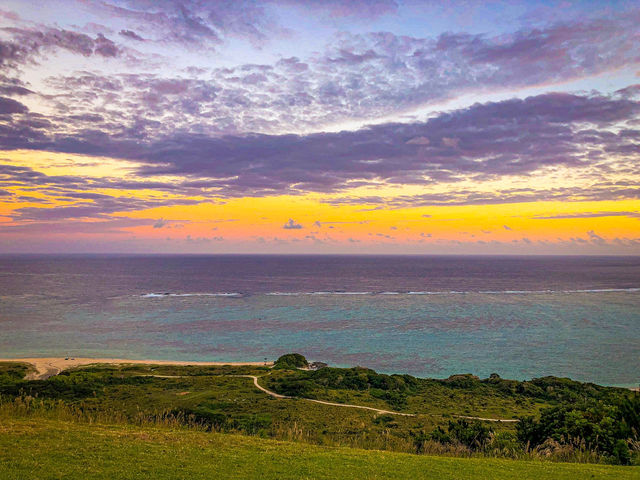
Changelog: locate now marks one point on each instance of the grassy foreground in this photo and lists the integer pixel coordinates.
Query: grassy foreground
(39, 448)
(562, 420)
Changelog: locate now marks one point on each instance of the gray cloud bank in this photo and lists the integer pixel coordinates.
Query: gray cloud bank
(482, 142)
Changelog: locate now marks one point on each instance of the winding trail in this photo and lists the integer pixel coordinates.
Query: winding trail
(499, 420)
(362, 407)
(323, 402)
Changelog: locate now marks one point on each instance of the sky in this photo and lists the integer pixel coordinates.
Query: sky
(320, 126)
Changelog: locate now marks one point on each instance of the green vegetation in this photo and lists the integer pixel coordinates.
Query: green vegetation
(563, 420)
(291, 360)
(40, 448)
(458, 394)
(12, 372)
(606, 429)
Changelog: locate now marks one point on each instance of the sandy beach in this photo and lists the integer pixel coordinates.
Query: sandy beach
(49, 366)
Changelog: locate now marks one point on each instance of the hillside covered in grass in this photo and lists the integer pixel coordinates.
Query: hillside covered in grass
(44, 448)
(543, 419)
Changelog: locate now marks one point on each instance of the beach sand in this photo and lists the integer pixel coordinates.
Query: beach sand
(49, 366)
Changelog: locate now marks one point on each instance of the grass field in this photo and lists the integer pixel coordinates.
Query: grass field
(38, 448)
(234, 404)
(142, 421)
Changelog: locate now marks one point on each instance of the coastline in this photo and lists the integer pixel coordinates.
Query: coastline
(49, 366)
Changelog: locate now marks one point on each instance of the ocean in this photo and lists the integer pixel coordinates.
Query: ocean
(430, 316)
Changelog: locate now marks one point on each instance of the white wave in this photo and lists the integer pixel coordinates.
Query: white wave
(538, 292)
(514, 292)
(425, 292)
(603, 290)
(352, 293)
(527, 292)
(435, 293)
(337, 293)
(216, 294)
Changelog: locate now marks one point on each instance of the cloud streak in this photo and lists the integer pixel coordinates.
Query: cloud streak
(587, 215)
(482, 142)
(360, 76)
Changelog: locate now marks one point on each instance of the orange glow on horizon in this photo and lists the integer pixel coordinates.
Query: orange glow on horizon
(225, 222)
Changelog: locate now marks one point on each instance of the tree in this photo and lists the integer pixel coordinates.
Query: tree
(291, 361)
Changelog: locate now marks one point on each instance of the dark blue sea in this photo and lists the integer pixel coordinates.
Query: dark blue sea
(520, 317)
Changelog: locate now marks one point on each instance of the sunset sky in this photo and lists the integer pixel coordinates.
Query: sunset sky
(323, 126)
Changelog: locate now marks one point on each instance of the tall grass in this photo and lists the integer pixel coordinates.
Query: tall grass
(30, 407)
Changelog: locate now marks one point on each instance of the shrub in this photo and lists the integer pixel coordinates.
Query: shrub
(504, 443)
(294, 388)
(420, 439)
(395, 400)
(621, 453)
(465, 380)
(472, 434)
(601, 428)
(291, 361)
(440, 436)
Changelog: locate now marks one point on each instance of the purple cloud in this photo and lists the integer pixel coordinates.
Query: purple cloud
(595, 238)
(14, 89)
(103, 226)
(25, 44)
(9, 106)
(161, 222)
(595, 192)
(131, 35)
(522, 137)
(363, 9)
(105, 47)
(588, 215)
(191, 22)
(359, 77)
(292, 225)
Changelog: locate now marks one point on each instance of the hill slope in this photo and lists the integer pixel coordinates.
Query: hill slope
(35, 448)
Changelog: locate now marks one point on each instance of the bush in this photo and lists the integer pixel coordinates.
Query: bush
(385, 420)
(504, 443)
(621, 453)
(396, 400)
(472, 434)
(420, 439)
(291, 361)
(465, 381)
(603, 429)
(294, 388)
(440, 436)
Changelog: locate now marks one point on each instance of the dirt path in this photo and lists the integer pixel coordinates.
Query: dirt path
(323, 402)
(499, 420)
(377, 410)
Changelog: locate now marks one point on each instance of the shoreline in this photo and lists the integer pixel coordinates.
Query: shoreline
(49, 366)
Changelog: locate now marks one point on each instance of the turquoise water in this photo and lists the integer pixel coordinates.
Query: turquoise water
(589, 334)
